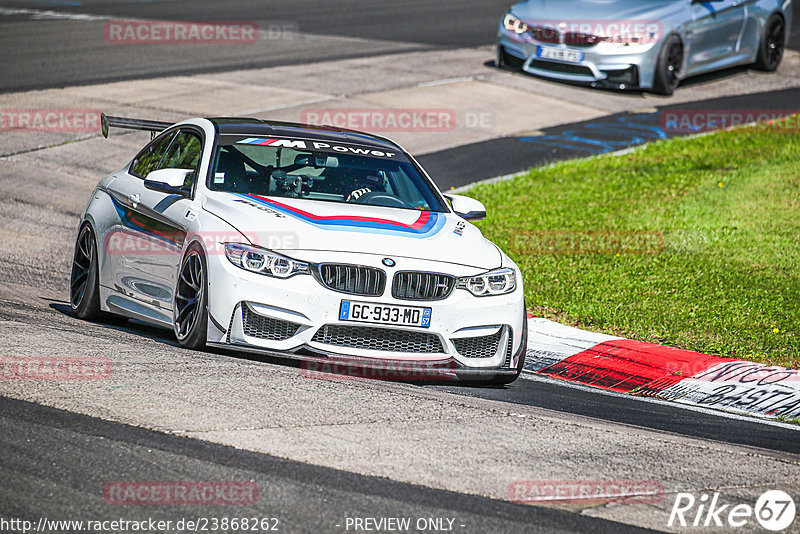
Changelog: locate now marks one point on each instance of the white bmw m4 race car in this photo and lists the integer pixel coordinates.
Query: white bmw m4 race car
(311, 243)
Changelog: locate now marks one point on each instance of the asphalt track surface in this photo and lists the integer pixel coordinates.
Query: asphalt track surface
(55, 52)
(65, 455)
(467, 164)
(553, 395)
(645, 413)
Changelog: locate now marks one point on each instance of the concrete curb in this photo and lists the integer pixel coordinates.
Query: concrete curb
(645, 369)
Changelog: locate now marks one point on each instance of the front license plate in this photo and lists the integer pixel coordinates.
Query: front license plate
(369, 312)
(559, 54)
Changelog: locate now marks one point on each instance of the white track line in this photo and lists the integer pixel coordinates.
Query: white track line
(46, 14)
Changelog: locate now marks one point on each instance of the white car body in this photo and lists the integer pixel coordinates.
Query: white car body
(142, 237)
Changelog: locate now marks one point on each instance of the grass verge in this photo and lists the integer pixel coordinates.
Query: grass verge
(689, 242)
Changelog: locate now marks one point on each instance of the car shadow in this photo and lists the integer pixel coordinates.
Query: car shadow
(492, 64)
(132, 326)
(689, 82)
(714, 76)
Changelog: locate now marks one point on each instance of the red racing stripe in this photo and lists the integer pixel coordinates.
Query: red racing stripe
(625, 366)
(419, 223)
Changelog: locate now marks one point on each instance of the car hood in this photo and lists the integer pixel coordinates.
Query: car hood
(291, 225)
(588, 10)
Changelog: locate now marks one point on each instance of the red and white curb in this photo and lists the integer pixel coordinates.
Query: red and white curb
(645, 369)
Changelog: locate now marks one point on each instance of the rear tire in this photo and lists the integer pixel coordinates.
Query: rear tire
(190, 306)
(772, 45)
(84, 286)
(668, 68)
(84, 294)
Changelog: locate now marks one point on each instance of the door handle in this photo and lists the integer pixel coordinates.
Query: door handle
(134, 200)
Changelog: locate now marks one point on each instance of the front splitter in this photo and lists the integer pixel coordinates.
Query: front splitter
(319, 364)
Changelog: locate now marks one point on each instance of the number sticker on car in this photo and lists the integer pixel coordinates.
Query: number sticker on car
(369, 312)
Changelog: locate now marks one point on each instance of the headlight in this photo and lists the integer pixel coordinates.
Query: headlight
(263, 261)
(513, 24)
(496, 282)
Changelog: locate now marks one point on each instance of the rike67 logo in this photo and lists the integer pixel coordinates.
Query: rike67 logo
(774, 510)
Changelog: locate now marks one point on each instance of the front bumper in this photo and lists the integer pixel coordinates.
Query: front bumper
(299, 318)
(600, 65)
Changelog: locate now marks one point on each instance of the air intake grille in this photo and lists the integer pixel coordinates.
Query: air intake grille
(408, 285)
(479, 347)
(509, 350)
(566, 68)
(256, 325)
(352, 279)
(383, 339)
(543, 34)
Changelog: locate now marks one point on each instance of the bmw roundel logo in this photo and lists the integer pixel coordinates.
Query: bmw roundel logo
(389, 262)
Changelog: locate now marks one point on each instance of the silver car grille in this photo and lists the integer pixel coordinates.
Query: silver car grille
(352, 279)
(382, 339)
(262, 327)
(412, 285)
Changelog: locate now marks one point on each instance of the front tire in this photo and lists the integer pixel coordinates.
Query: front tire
(771, 47)
(668, 68)
(190, 307)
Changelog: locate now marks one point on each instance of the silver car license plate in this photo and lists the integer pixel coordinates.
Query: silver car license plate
(559, 54)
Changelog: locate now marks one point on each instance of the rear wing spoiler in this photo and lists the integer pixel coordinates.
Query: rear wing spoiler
(153, 127)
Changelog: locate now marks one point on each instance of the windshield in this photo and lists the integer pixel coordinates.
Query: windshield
(320, 170)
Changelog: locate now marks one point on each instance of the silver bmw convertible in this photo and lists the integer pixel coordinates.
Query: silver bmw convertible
(642, 44)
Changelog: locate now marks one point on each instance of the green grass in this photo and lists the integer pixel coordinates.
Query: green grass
(786, 419)
(721, 214)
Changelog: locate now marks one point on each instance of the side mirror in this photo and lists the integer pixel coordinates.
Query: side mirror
(467, 208)
(168, 181)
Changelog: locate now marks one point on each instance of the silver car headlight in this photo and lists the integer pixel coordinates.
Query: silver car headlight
(513, 24)
(263, 261)
(495, 282)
